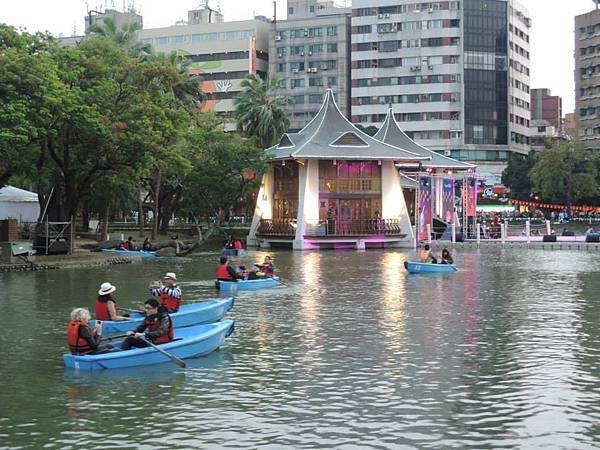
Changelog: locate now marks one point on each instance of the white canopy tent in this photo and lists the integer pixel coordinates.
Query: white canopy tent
(18, 204)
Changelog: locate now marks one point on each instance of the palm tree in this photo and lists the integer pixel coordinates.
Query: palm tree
(260, 112)
(188, 91)
(125, 37)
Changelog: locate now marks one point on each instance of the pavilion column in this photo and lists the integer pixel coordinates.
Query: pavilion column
(393, 205)
(308, 201)
(264, 206)
(438, 184)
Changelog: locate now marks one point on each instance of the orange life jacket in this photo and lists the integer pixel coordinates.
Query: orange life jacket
(169, 302)
(102, 312)
(152, 325)
(77, 344)
(222, 273)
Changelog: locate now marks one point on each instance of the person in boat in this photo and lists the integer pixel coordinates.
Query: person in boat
(447, 257)
(267, 267)
(106, 305)
(123, 246)
(82, 339)
(229, 244)
(224, 271)
(170, 294)
(241, 273)
(157, 327)
(425, 255)
(131, 244)
(238, 245)
(147, 245)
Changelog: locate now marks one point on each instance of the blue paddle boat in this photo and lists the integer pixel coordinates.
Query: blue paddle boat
(190, 342)
(247, 285)
(419, 267)
(140, 253)
(188, 315)
(233, 252)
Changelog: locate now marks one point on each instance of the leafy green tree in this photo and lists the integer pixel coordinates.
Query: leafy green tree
(565, 173)
(516, 175)
(260, 112)
(125, 36)
(371, 130)
(226, 171)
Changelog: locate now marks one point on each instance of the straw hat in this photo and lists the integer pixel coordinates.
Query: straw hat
(106, 288)
(170, 275)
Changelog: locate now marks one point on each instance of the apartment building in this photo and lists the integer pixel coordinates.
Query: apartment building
(456, 74)
(587, 78)
(310, 51)
(546, 107)
(223, 53)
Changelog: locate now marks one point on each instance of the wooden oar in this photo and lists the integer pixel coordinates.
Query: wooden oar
(110, 338)
(173, 358)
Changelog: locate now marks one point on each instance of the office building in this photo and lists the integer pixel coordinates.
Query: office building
(587, 78)
(310, 51)
(546, 107)
(456, 74)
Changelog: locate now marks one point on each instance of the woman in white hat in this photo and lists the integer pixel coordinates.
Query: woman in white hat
(106, 305)
(170, 294)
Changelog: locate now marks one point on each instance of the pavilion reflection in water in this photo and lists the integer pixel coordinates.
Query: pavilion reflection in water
(333, 185)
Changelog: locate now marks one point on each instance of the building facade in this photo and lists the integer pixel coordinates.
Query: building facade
(455, 72)
(223, 53)
(546, 107)
(587, 78)
(311, 52)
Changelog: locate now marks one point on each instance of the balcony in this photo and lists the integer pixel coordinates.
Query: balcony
(277, 228)
(350, 185)
(355, 228)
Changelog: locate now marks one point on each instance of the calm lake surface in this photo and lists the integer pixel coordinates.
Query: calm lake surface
(352, 353)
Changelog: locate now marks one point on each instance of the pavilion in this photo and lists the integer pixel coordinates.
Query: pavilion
(330, 185)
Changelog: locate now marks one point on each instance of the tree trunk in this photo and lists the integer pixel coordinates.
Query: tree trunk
(156, 218)
(140, 211)
(85, 218)
(105, 219)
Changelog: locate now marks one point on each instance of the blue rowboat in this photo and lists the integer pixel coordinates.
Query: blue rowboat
(189, 342)
(188, 315)
(233, 252)
(247, 285)
(139, 253)
(419, 267)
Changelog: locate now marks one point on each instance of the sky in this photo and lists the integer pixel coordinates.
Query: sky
(552, 39)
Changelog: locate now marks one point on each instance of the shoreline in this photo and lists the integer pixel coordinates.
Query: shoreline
(80, 258)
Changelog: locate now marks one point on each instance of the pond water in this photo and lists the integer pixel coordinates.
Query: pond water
(351, 353)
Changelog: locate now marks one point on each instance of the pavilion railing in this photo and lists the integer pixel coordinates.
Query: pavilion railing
(357, 227)
(277, 227)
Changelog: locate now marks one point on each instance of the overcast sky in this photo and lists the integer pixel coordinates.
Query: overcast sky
(552, 37)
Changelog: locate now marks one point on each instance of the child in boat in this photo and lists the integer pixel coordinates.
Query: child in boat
(267, 267)
(447, 257)
(147, 245)
(425, 255)
(238, 245)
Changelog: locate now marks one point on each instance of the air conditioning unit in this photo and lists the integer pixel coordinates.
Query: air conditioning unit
(279, 55)
(277, 38)
(305, 32)
(380, 16)
(447, 152)
(315, 70)
(430, 67)
(324, 68)
(301, 53)
(413, 69)
(295, 70)
(430, 10)
(309, 53)
(386, 16)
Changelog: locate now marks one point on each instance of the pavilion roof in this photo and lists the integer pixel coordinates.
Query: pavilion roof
(391, 133)
(329, 135)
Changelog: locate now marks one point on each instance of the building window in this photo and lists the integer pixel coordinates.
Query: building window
(282, 84)
(315, 32)
(331, 48)
(297, 66)
(281, 52)
(477, 132)
(318, 81)
(364, 12)
(297, 82)
(298, 99)
(332, 31)
(315, 98)
(312, 8)
(363, 29)
(281, 67)
(290, 10)
(315, 48)
(331, 81)
(297, 50)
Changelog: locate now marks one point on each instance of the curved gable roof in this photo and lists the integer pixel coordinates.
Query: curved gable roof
(329, 135)
(391, 133)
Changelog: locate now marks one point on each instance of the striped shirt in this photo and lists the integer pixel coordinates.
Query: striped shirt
(173, 291)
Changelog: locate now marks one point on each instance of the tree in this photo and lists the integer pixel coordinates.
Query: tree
(516, 175)
(565, 173)
(261, 113)
(125, 36)
(371, 130)
(226, 171)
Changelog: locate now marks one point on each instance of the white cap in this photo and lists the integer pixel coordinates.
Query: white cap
(170, 275)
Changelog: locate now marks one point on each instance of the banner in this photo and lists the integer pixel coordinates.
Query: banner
(252, 55)
(470, 197)
(551, 206)
(448, 200)
(424, 208)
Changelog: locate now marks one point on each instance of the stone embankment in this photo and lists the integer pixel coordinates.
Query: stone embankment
(77, 260)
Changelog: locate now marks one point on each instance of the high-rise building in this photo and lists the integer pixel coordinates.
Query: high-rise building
(119, 18)
(223, 53)
(546, 107)
(310, 51)
(587, 78)
(456, 74)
